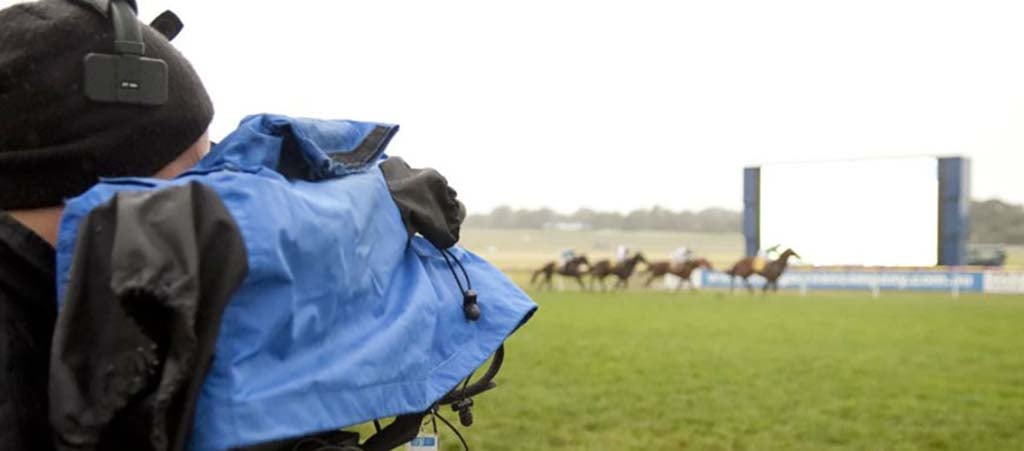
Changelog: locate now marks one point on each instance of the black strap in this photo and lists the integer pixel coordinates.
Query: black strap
(399, 432)
(103, 6)
(377, 139)
(127, 29)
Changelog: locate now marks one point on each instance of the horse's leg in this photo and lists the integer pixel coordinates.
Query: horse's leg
(650, 279)
(545, 271)
(746, 281)
(579, 280)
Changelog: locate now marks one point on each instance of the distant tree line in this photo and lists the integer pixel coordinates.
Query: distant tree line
(992, 221)
(715, 220)
(997, 222)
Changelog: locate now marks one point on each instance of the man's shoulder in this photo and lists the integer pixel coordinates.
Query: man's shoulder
(26, 261)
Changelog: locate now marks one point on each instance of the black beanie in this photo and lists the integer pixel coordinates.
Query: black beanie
(54, 142)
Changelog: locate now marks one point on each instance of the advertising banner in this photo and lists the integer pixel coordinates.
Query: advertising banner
(881, 279)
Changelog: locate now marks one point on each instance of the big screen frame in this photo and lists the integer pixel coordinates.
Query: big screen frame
(952, 203)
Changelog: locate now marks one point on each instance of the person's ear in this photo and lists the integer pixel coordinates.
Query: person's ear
(202, 146)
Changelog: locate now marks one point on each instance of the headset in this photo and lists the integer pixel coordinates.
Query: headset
(128, 76)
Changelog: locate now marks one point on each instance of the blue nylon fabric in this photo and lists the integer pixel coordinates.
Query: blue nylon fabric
(342, 319)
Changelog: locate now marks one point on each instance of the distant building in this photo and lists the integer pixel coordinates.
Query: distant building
(567, 226)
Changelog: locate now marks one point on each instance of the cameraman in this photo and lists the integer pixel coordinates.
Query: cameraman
(55, 144)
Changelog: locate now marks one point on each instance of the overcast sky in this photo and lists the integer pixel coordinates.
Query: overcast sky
(619, 105)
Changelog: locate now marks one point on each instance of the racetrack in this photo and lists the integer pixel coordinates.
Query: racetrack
(525, 250)
(659, 371)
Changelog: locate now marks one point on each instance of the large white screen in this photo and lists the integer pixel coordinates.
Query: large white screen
(867, 212)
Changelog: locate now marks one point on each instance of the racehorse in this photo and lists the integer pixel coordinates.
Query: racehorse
(572, 269)
(622, 270)
(771, 271)
(683, 271)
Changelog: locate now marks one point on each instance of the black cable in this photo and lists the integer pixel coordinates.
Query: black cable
(495, 366)
(481, 385)
(309, 441)
(465, 445)
(376, 425)
(451, 268)
(470, 308)
(469, 283)
(466, 383)
(321, 445)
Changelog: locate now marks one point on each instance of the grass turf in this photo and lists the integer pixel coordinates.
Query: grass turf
(658, 371)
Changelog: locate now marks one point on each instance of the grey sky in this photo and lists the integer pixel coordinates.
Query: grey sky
(617, 105)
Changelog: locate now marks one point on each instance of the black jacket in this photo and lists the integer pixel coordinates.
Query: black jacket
(27, 312)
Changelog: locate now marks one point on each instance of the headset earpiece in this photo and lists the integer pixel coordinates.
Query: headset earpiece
(126, 76)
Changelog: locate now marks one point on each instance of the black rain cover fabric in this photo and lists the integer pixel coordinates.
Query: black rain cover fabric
(428, 205)
(151, 275)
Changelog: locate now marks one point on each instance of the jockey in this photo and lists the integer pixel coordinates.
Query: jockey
(565, 257)
(764, 256)
(771, 253)
(621, 253)
(680, 256)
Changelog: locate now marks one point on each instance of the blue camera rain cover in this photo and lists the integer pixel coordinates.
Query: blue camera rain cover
(342, 317)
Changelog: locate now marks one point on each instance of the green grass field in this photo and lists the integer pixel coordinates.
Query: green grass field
(645, 370)
(658, 371)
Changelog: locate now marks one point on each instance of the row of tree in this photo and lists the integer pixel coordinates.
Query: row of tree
(656, 218)
(992, 221)
(997, 222)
